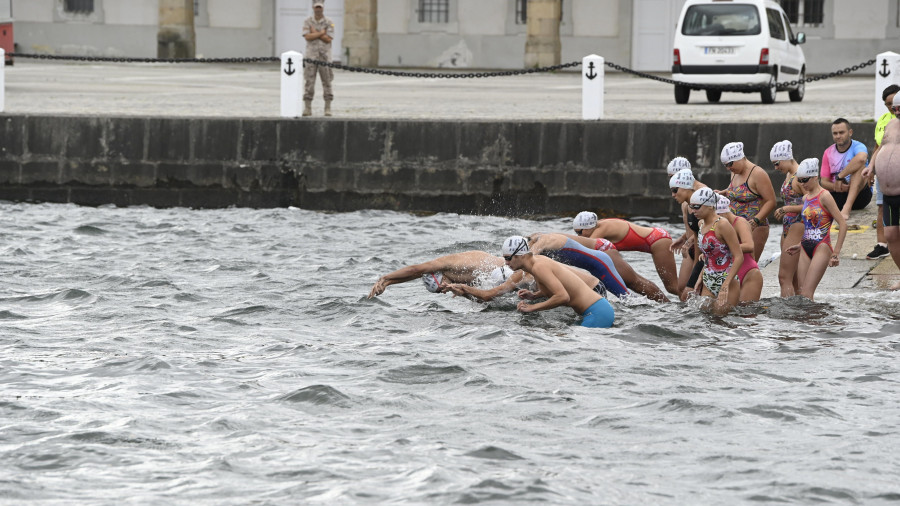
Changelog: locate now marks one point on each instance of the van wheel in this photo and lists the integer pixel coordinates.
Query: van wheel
(682, 94)
(768, 94)
(713, 96)
(797, 95)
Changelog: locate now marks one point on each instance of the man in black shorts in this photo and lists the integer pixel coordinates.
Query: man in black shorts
(887, 166)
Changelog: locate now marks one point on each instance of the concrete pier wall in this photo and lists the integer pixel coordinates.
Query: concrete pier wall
(343, 165)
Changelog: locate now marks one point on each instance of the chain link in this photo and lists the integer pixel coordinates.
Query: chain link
(126, 59)
(741, 87)
(448, 75)
(442, 75)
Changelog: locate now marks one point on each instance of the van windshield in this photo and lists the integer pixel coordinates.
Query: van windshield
(721, 20)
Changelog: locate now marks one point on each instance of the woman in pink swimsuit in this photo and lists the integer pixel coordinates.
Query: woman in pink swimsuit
(782, 156)
(815, 249)
(683, 185)
(751, 193)
(722, 250)
(750, 277)
(627, 236)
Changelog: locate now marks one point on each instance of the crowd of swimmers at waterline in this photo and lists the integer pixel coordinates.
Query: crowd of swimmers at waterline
(725, 232)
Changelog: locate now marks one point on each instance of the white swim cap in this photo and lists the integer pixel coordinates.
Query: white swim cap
(783, 150)
(433, 281)
(704, 197)
(515, 245)
(684, 178)
(808, 168)
(723, 205)
(585, 219)
(732, 152)
(677, 164)
(500, 275)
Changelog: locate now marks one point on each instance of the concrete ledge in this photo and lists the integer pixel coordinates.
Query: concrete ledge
(616, 168)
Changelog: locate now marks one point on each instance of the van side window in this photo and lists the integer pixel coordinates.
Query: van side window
(790, 32)
(776, 29)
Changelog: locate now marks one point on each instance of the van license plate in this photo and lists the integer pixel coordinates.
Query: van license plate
(718, 50)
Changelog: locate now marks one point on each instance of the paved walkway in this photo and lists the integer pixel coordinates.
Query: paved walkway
(252, 90)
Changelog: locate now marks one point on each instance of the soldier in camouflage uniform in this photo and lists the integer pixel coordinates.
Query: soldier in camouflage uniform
(318, 31)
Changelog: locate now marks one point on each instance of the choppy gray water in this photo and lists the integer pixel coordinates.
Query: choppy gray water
(230, 356)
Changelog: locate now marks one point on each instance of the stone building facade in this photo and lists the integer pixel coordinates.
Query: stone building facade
(491, 34)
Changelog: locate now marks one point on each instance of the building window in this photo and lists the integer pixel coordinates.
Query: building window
(78, 6)
(434, 11)
(521, 12)
(805, 12)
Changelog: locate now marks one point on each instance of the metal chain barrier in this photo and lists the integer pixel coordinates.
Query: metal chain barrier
(275, 59)
(444, 75)
(125, 59)
(746, 87)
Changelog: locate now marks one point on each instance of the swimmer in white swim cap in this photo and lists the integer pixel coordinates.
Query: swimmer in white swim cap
(751, 193)
(819, 212)
(782, 157)
(628, 236)
(466, 267)
(559, 285)
(677, 164)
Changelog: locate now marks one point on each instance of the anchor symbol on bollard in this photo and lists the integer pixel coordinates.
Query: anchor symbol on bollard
(289, 71)
(591, 74)
(884, 66)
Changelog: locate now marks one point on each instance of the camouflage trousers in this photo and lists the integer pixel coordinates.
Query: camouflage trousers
(309, 81)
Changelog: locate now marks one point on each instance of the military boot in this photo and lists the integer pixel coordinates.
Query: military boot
(328, 108)
(307, 107)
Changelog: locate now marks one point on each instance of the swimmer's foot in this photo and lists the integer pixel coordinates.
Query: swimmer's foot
(896, 286)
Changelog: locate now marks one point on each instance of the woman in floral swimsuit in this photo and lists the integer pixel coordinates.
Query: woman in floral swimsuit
(819, 210)
(750, 192)
(782, 156)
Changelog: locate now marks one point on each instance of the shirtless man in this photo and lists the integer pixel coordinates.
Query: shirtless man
(558, 284)
(559, 248)
(465, 267)
(627, 236)
(887, 166)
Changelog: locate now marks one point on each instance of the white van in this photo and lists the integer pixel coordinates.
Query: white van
(735, 43)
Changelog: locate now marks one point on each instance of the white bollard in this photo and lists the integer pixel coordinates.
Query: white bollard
(887, 72)
(592, 87)
(2, 80)
(291, 84)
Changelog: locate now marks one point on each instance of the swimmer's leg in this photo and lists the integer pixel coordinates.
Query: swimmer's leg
(635, 281)
(760, 236)
(815, 269)
(751, 286)
(664, 260)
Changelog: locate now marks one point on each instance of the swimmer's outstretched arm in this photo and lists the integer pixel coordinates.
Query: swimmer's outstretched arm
(481, 295)
(403, 275)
